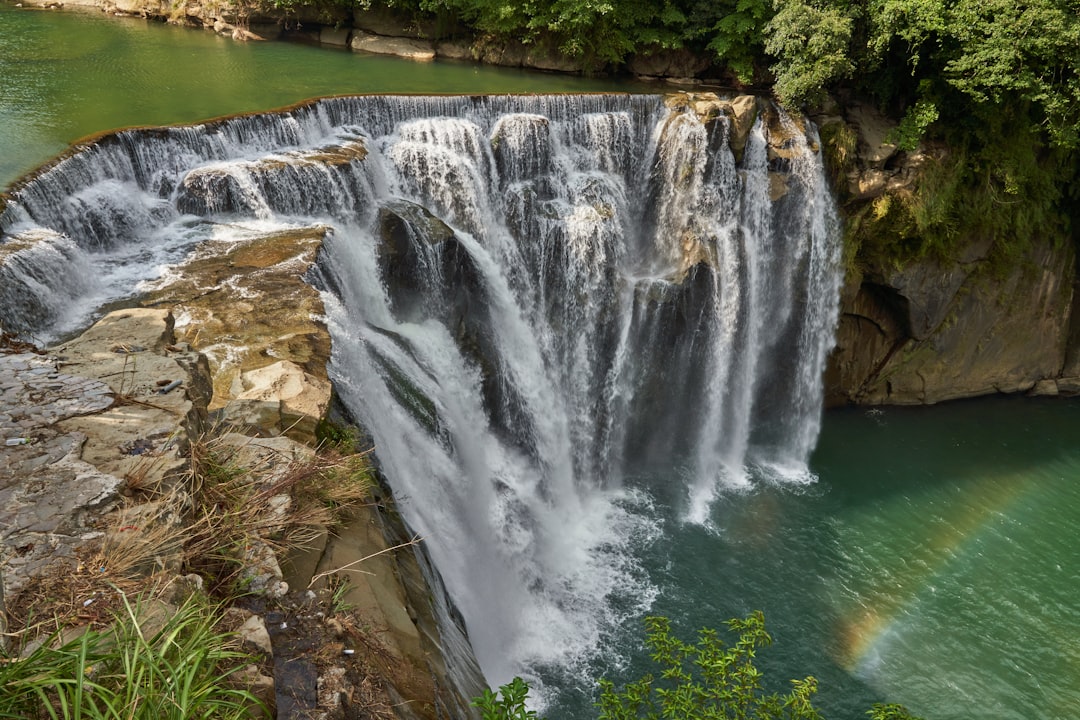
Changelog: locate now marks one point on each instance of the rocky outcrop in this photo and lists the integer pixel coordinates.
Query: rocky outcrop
(82, 425)
(933, 332)
(247, 304)
(408, 48)
(111, 413)
(932, 328)
(249, 310)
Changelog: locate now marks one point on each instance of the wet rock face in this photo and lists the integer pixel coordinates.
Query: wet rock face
(412, 254)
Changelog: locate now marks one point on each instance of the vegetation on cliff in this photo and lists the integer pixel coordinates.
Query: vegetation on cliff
(993, 88)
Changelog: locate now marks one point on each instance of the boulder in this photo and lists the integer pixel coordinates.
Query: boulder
(411, 49)
(744, 113)
(668, 63)
(335, 36)
(280, 399)
(1045, 388)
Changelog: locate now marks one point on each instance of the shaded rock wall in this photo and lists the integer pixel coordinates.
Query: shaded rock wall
(938, 329)
(936, 332)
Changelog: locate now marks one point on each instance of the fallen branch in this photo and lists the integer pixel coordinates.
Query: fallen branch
(415, 541)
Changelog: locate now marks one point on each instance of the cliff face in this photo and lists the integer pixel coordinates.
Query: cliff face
(933, 332)
(936, 329)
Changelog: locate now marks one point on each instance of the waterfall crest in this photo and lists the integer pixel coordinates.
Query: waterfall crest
(534, 302)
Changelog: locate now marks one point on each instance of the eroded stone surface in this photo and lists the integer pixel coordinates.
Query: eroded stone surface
(78, 426)
(246, 305)
(410, 48)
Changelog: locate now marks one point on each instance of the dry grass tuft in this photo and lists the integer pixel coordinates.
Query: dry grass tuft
(207, 525)
(246, 494)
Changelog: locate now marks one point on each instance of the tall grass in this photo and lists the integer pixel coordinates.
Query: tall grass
(152, 665)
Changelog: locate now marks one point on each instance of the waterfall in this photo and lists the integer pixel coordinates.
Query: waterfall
(534, 303)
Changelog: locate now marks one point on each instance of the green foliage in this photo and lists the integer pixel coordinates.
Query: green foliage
(507, 704)
(131, 672)
(341, 437)
(810, 40)
(913, 127)
(708, 680)
(889, 712)
(737, 35)
(1009, 53)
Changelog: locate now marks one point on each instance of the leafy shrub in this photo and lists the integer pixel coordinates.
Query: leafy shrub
(704, 681)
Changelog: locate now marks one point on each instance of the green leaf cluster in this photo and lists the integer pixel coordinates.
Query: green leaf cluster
(706, 680)
(507, 704)
(1020, 58)
(993, 85)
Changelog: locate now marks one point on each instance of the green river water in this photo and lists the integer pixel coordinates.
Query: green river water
(66, 75)
(936, 562)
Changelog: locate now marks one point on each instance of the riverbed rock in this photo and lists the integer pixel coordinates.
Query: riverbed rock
(545, 54)
(408, 48)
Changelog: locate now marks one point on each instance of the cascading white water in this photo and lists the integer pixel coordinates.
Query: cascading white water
(531, 300)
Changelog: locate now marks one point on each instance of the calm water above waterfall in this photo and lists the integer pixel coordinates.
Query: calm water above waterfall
(71, 74)
(598, 463)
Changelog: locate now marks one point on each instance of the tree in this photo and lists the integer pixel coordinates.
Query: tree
(810, 40)
(704, 681)
(708, 680)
